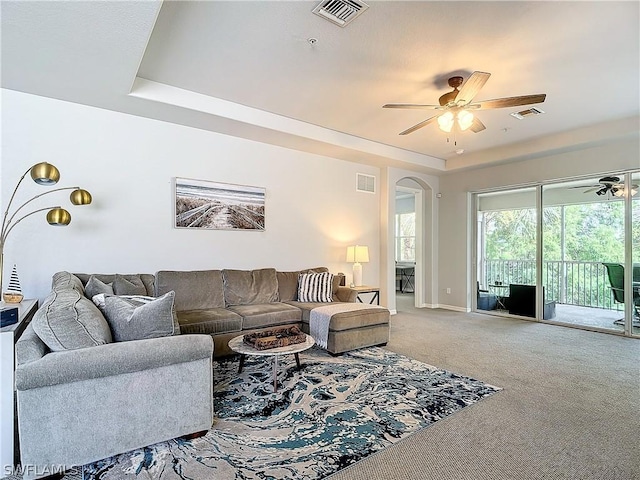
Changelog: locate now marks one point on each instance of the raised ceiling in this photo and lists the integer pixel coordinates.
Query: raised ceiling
(248, 69)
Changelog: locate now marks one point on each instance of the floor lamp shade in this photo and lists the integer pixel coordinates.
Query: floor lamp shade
(357, 254)
(43, 174)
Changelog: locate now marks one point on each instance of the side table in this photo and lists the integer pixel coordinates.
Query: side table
(368, 289)
(8, 337)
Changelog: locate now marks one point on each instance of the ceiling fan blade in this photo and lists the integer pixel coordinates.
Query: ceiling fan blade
(418, 126)
(477, 126)
(412, 105)
(471, 87)
(593, 189)
(512, 101)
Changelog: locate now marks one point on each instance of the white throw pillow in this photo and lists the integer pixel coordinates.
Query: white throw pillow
(315, 287)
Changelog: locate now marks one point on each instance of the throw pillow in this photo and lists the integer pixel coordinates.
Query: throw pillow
(128, 286)
(95, 286)
(315, 287)
(68, 321)
(138, 318)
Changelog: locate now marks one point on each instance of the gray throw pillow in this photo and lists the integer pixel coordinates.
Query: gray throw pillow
(138, 318)
(67, 321)
(95, 286)
(131, 285)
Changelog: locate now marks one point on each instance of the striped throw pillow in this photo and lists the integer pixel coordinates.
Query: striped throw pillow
(315, 287)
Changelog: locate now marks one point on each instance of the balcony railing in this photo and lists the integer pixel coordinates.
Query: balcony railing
(573, 283)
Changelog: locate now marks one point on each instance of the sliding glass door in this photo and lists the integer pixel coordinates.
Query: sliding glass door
(583, 253)
(506, 267)
(577, 260)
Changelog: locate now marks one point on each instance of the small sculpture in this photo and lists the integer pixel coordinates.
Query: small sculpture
(14, 292)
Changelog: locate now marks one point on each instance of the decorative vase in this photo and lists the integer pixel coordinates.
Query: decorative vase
(14, 292)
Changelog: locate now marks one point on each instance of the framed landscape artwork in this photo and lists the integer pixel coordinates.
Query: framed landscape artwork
(218, 206)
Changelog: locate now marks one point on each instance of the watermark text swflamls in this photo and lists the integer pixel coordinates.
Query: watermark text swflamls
(36, 470)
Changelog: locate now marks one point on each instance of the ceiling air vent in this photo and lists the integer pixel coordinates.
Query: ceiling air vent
(340, 12)
(365, 183)
(526, 113)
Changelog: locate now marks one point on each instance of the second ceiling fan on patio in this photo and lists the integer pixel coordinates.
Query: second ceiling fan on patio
(605, 185)
(456, 105)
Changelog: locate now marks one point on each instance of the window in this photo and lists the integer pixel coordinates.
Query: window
(406, 237)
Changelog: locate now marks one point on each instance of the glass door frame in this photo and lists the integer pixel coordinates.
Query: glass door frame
(539, 186)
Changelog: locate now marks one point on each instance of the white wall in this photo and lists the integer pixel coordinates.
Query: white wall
(128, 163)
(455, 219)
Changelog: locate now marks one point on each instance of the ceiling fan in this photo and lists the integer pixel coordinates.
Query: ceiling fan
(456, 105)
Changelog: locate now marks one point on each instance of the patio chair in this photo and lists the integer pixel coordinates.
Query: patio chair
(486, 300)
(615, 272)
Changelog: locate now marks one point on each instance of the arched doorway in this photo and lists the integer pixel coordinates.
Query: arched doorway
(412, 225)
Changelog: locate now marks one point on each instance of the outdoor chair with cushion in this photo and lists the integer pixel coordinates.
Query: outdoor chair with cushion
(615, 272)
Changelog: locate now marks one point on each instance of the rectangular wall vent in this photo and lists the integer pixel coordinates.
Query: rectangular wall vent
(526, 113)
(365, 183)
(340, 12)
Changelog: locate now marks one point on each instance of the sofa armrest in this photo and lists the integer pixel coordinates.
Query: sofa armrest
(346, 294)
(112, 359)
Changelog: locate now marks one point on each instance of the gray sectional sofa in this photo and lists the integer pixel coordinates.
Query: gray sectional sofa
(228, 303)
(83, 397)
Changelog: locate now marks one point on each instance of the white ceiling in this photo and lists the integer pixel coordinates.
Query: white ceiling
(247, 69)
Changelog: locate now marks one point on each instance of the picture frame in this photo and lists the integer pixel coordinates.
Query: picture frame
(203, 204)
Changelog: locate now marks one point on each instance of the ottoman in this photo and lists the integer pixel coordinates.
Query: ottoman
(351, 325)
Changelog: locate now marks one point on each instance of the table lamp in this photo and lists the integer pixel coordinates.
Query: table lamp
(357, 254)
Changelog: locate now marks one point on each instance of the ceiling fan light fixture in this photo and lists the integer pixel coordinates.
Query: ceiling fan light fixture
(445, 122)
(619, 192)
(602, 191)
(465, 119)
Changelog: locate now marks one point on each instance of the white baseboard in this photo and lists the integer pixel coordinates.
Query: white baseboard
(393, 312)
(454, 308)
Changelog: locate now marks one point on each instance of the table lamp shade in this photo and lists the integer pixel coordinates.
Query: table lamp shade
(355, 255)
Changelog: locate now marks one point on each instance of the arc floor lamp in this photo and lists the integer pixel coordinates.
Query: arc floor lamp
(43, 174)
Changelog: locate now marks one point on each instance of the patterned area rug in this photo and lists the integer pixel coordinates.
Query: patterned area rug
(331, 414)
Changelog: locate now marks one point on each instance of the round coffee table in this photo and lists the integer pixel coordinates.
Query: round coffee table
(237, 345)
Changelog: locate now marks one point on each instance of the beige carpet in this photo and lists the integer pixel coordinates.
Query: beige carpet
(570, 408)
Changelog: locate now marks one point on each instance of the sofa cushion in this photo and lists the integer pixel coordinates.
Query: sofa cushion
(68, 320)
(64, 280)
(139, 318)
(96, 286)
(315, 287)
(266, 315)
(287, 286)
(128, 285)
(195, 290)
(306, 307)
(209, 321)
(250, 287)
